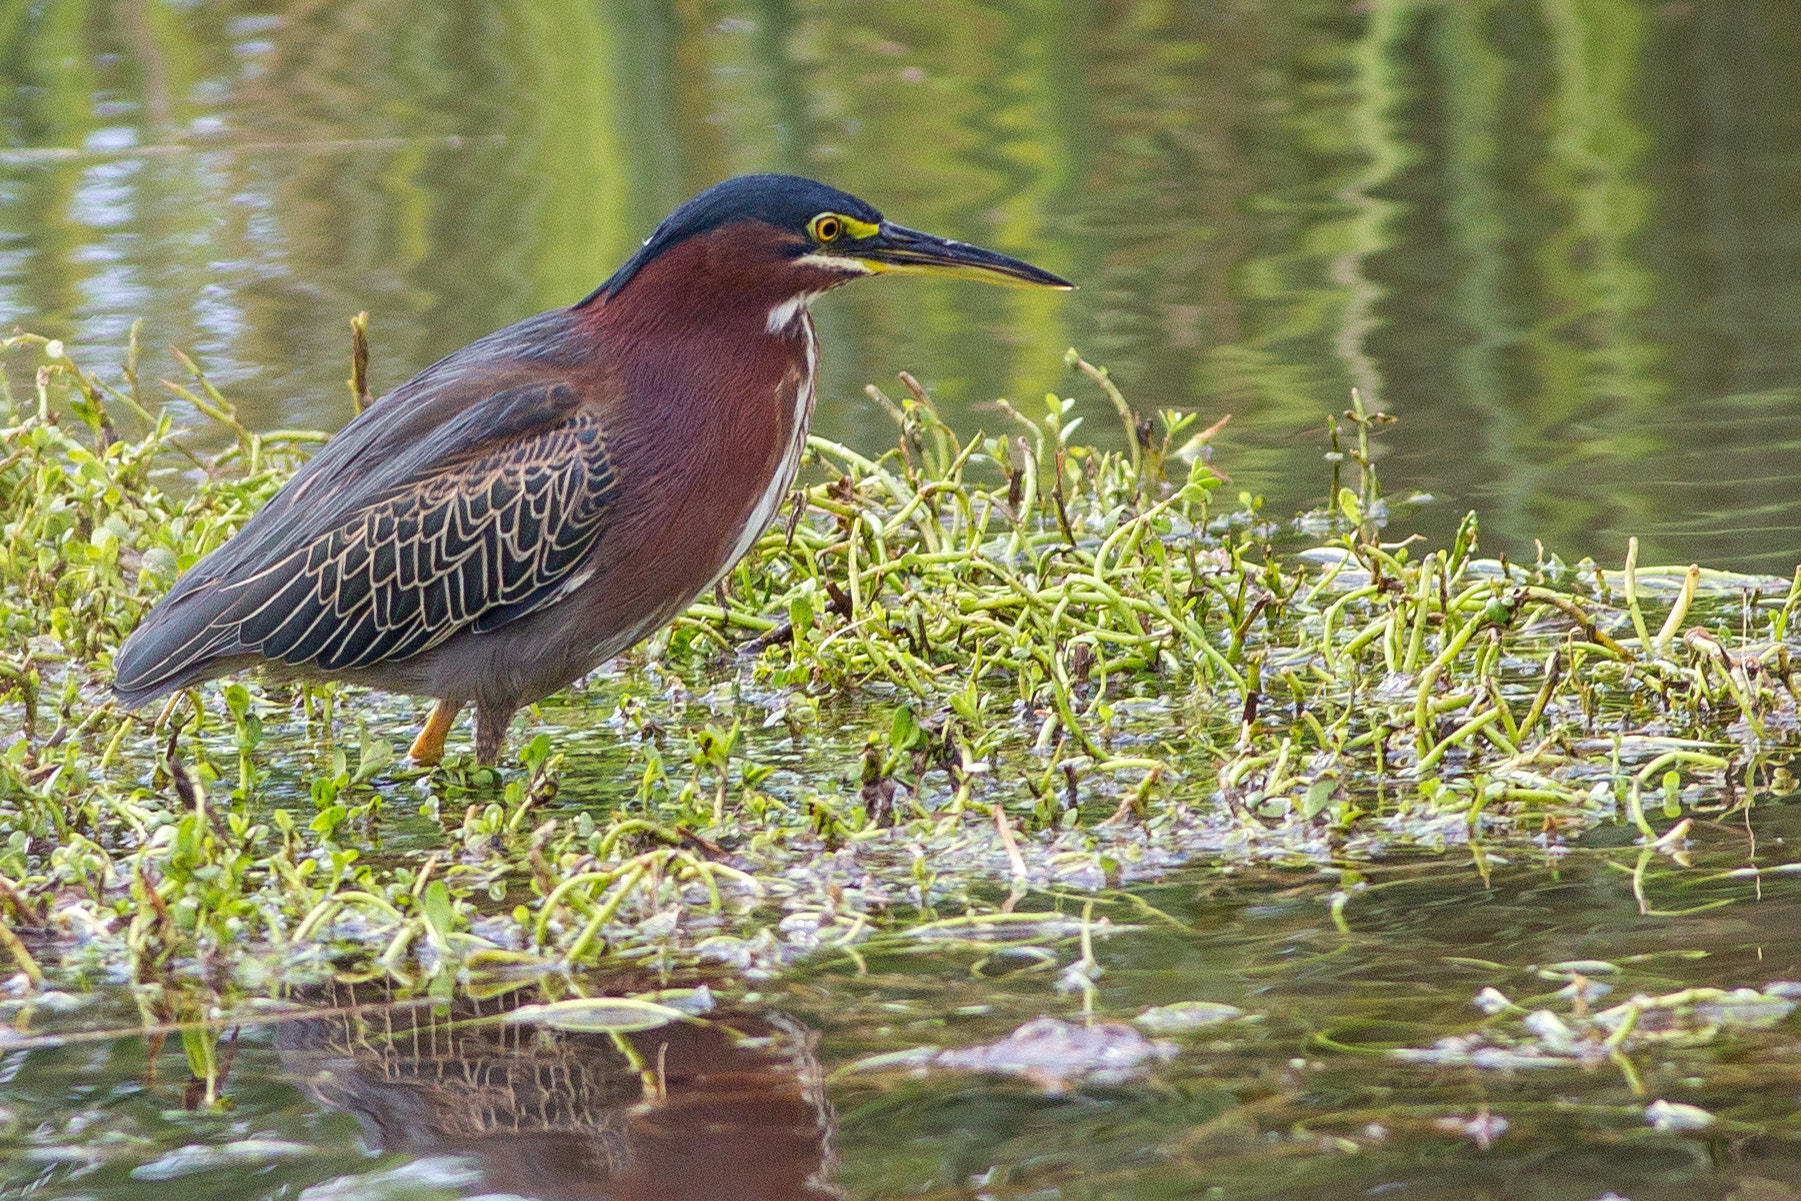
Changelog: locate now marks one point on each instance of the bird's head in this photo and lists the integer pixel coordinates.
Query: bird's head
(789, 239)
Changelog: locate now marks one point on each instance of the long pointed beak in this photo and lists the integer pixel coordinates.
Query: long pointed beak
(897, 248)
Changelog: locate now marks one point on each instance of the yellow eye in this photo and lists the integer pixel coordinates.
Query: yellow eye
(826, 227)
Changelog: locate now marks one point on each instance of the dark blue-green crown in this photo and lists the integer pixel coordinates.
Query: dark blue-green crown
(785, 201)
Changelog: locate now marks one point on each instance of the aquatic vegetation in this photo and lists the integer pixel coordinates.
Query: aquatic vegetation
(959, 694)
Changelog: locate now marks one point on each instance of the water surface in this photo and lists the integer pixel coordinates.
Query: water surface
(1560, 238)
(1302, 1097)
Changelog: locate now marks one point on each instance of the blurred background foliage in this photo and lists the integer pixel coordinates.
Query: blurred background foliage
(1561, 238)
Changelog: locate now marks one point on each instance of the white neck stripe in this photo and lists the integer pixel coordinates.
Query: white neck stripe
(783, 316)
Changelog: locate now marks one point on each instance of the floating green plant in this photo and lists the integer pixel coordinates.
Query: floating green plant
(969, 682)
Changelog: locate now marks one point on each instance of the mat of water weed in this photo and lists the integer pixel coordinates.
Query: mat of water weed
(961, 692)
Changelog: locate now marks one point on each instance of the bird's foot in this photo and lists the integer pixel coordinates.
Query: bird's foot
(428, 749)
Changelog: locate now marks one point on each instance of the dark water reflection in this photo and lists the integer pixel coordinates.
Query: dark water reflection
(1563, 239)
(680, 1112)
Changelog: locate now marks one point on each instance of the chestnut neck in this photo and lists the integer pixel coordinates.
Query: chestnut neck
(721, 283)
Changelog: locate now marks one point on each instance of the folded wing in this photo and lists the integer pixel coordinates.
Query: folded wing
(498, 526)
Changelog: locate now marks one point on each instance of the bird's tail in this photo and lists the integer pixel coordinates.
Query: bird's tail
(176, 645)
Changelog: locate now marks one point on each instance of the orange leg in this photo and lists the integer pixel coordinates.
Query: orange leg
(428, 749)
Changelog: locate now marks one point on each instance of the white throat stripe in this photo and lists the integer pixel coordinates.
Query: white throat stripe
(783, 316)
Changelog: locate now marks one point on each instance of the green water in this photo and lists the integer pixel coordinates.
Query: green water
(1558, 238)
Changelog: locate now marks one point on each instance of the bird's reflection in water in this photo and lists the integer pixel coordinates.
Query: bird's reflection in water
(733, 1107)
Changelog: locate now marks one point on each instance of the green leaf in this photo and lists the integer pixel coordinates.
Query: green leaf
(374, 756)
(800, 616)
(1319, 795)
(967, 704)
(608, 1015)
(905, 732)
(535, 752)
(237, 699)
(435, 904)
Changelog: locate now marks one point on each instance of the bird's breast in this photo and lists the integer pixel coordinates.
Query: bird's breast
(792, 439)
(707, 438)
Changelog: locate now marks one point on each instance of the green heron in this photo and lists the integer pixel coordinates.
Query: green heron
(538, 501)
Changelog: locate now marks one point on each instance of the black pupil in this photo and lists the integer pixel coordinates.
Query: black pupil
(828, 229)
